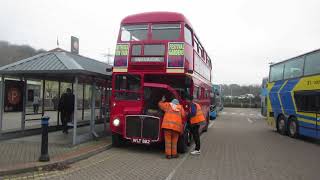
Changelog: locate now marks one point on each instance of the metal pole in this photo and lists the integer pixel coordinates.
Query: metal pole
(24, 102)
(101, 100)
(59, 92)
(93, 108)
(105, 106)
(231, 94)
(43, 94)
(44, 157)
(83, 94)
(1, 102)
(75, 92)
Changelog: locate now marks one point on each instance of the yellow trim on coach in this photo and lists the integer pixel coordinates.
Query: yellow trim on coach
(270, 120)
(280, 96)
(308, 83)
(308, 121)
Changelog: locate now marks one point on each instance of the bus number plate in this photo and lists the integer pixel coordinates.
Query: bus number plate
(140, 141)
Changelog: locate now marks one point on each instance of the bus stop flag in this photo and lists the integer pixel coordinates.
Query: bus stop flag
(74, 45)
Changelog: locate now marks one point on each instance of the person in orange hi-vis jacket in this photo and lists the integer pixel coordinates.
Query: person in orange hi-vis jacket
(171, 125)
(195, 118)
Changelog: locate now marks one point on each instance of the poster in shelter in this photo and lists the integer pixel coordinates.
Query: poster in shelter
(13, 101)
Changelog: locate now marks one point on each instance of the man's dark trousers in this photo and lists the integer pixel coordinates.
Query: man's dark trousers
(195, 134)
(65, 118)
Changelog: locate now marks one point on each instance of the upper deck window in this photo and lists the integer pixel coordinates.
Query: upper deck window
(276, 72)
(312, 64)
(293, 68)
(134, 32)
(165, 31)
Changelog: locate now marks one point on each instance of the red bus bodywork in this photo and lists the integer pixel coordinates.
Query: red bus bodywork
(147, 66)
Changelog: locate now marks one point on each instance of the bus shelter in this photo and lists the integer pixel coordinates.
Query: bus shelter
(31, 88)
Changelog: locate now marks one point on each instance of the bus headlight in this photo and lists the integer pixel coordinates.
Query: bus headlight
(116, 122)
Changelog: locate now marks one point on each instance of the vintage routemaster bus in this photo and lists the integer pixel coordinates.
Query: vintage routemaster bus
(157, 54)
(293, 104)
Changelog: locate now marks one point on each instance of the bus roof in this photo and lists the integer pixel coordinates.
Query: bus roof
(301, 55)
(155, 17)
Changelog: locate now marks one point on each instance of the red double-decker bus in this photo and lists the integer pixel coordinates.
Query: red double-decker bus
(157, 53)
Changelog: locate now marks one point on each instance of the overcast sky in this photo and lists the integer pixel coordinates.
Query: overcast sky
(241, 36)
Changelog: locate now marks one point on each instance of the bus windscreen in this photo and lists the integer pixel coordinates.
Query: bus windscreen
(134, 33)
(165, 31)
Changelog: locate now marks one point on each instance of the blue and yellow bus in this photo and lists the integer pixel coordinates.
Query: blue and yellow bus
(294, 96)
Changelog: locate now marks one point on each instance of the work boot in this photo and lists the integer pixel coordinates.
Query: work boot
(195, 152)
(168, 156)
(175, 156)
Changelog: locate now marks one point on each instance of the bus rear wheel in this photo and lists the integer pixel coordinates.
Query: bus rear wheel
(293, 128)
(183, 142)
(117, 140)
(281, 125)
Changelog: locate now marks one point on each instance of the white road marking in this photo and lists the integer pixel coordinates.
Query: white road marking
(242, 114)
(251, 114)
(211, 124)
(233, 113)
(250, 121)
(223, 113)
(170, 176)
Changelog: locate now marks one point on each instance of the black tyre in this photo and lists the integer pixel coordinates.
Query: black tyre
(293, 128)
(117, 140)
(183, 142)
(205, 129)
(281, 125)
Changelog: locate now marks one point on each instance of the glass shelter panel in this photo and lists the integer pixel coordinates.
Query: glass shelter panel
(51, 101)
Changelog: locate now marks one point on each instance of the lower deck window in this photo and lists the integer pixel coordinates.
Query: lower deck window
(307, 101)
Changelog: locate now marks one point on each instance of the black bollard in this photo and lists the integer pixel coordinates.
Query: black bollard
(44, 157)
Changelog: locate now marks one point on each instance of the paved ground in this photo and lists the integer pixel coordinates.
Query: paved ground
(238, 146)
(27, 149)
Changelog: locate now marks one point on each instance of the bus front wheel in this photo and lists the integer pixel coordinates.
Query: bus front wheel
(281, 125)
(293, 128)
(117, 140)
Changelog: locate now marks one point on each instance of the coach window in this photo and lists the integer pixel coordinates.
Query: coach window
(276, 72)
(312, 64)
(187, 35)
(165, 31)
(294, 68)
(134, 33)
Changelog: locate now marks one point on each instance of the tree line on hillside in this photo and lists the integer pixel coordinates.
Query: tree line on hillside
(10, 53)
(235, 95)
